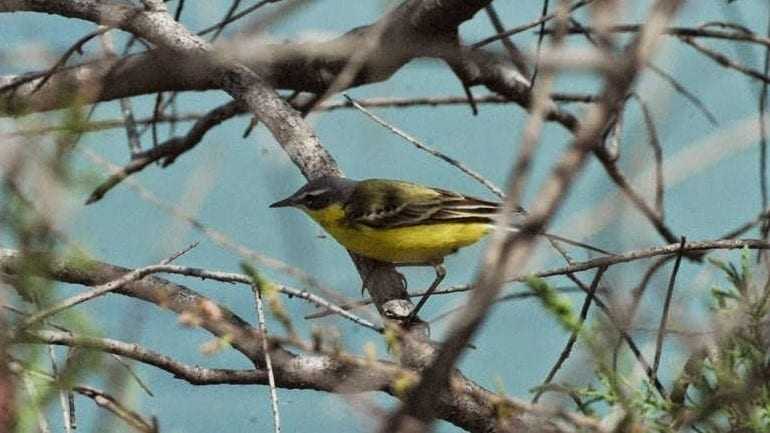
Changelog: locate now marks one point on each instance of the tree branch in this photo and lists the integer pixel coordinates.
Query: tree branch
(466, 405)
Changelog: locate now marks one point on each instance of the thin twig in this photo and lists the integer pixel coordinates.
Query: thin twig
(625, 336)
(230, 12)
(180, 253)
(575, 267)
(179, 8)
(657, 151)
(690, 247)
(385, 102)
(290, 291)
(91, 294)
(612, 169)
(527, 26)
(65, 395)
(191, 373)
(689, 32)
(454, 162)
(517, 57)
(77, 47)
(169, 150)
(763, 135)
(540, 37)
(530, 137)
(133, 375)
(682, 90)
(666, 307)
(725, 61)
(157, 112)
(509, 297)
(565, 353)
(268, 362)
(418, 294)
(134, 142)
(232, 18)
(109, 403)
(638, 292)
(762, 218)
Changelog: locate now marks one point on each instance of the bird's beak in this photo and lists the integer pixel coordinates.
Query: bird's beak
(287, 202)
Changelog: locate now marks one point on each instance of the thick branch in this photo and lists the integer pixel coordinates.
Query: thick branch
(243, 84)
(163, 293)
(416, 28)
(466, 405)
(318, 372)
(412, 30)
(512, 251)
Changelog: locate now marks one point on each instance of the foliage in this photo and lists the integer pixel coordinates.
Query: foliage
(723, 387)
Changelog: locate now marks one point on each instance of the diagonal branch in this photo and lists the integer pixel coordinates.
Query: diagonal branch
(469, 406)
(242, 83)
(170, 150)
(505, 251)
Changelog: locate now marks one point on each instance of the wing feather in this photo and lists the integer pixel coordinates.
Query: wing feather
(389, 204)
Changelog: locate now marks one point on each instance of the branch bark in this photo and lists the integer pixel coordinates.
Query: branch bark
(182, 61)
(508, 251)
(466, 405)
(412, 30)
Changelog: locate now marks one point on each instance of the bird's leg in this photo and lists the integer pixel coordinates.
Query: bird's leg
(440, 274)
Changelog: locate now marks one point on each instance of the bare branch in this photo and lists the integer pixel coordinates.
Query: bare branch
(106, 401)
(452, 161)
(157, 26)
(565, 353)
(689, 247)
(666, 307)
(525, 27)
(472, 409)
(512, 251)
(169, 150)
(725, 61)
(384, 102)
(266, 349)
(91, 294)
(690, 32)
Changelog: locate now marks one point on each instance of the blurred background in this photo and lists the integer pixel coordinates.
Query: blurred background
(227, 182)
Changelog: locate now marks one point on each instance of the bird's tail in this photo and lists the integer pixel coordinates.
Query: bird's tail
(461, 208)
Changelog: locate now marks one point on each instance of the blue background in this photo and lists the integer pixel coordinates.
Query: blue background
(227, 182)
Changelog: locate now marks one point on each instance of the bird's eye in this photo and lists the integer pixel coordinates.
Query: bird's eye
(313, 200)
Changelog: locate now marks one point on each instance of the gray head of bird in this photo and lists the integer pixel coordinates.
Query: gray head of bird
(320, 193)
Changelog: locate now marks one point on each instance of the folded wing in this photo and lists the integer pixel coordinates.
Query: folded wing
(389, 204)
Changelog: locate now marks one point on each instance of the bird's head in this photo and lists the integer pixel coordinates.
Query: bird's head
(319, 194)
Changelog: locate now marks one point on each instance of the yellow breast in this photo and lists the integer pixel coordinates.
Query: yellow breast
(406, 245)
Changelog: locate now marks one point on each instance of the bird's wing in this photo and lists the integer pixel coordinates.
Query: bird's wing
(386, 204)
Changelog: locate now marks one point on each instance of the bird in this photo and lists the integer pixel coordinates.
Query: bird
(399, 222)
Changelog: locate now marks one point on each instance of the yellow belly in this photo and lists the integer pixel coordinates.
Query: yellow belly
(405, 245)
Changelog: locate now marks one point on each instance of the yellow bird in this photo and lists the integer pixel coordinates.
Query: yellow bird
(398, 222)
